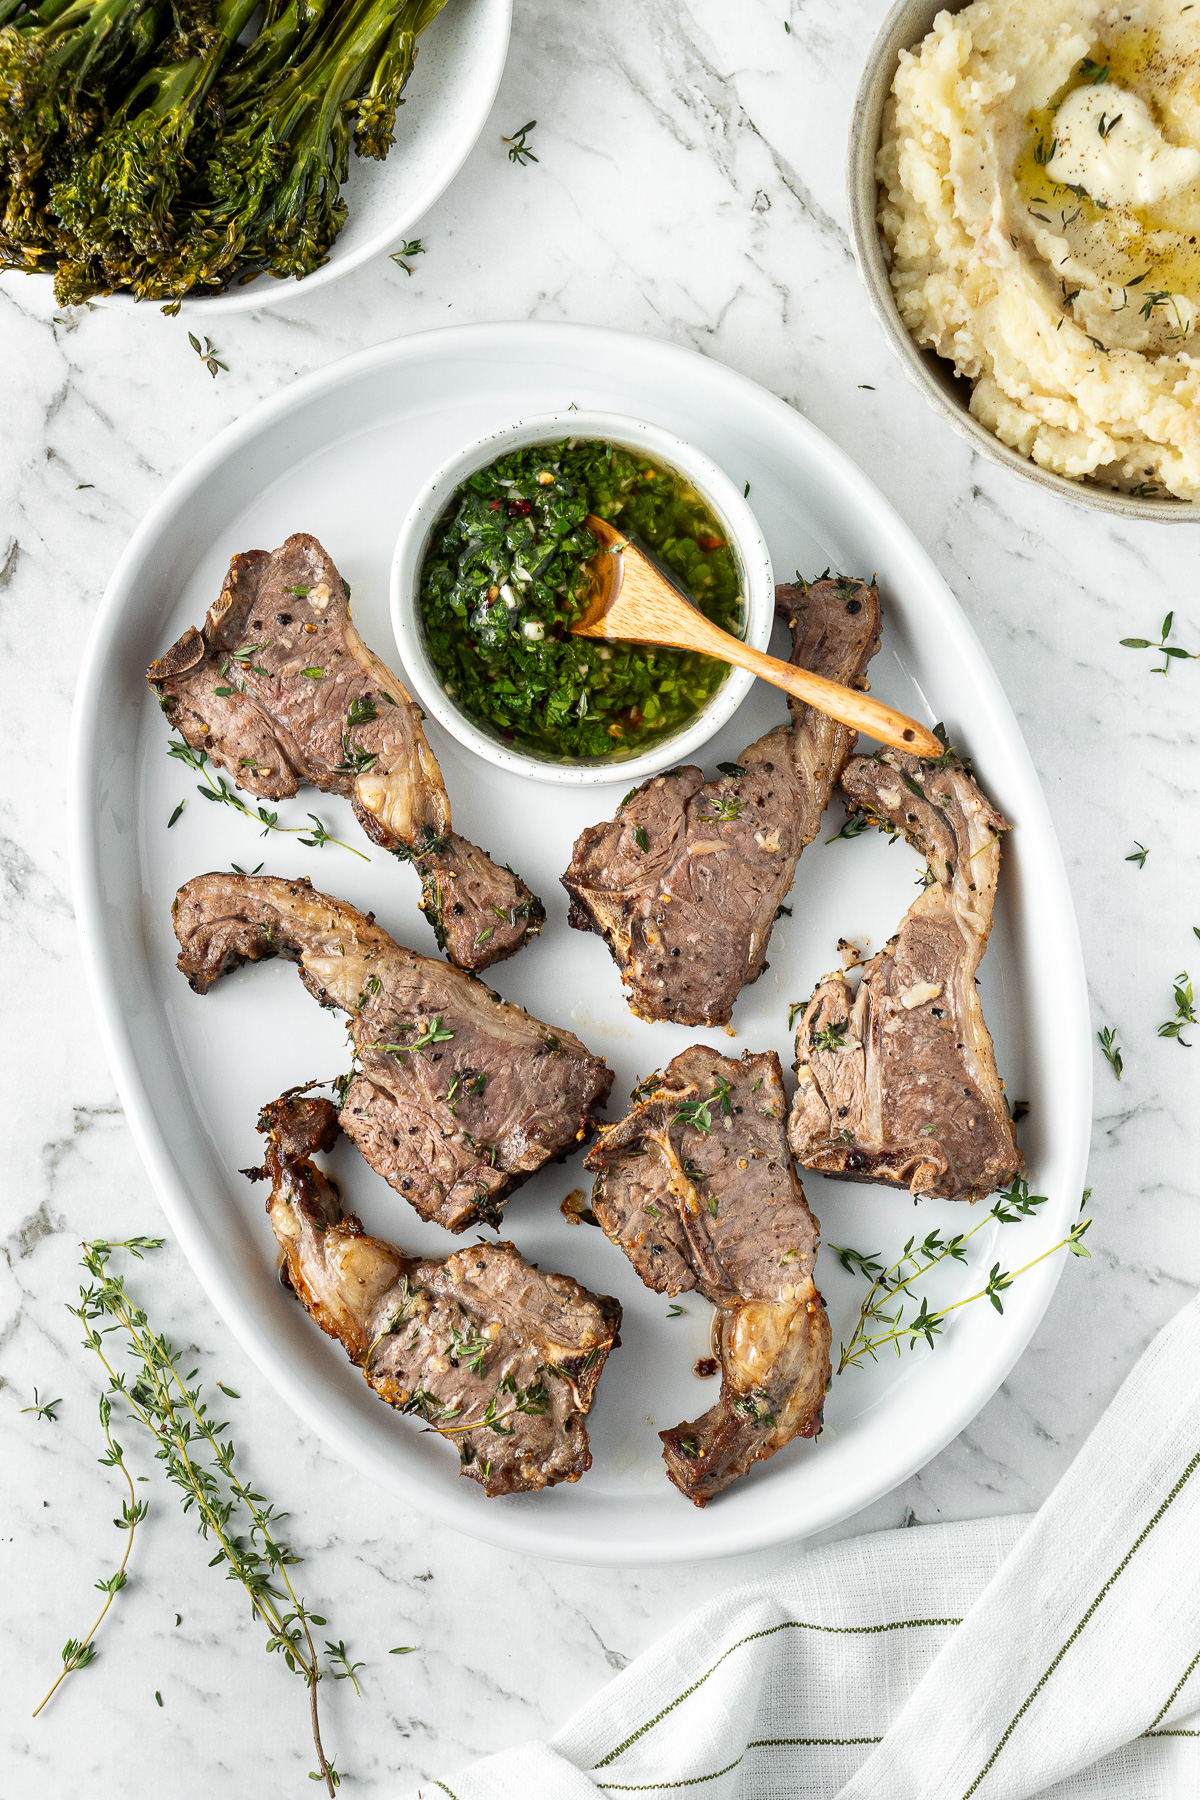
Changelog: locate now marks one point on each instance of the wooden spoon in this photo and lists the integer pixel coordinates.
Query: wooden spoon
(632, 602)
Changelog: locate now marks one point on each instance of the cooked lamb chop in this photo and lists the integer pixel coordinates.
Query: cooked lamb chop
(279, 689)
(898, 1081)
(686, 882)
(697, 1187)
(457, 1097)
(498, 1357)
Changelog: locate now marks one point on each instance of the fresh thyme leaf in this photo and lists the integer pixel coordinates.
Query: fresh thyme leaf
(1111, 1049)
(231, 1392)
(340, 1666)
(403, 1649)
(723, 1094)
(1185, 1010)
(1169, 652)
(797, 1006)
(43, 1409)
(674, 1312)
(518, 148)
(467, 1349)
(640, 838)
(731, 769)
(726, 810)
(695, 1113)
(1139, 855)
(314, 673)
(207, 355)
(829, 1037)
(431, 1034)
(854, 827)
(356, 760)
(414, 247)
(176, 814)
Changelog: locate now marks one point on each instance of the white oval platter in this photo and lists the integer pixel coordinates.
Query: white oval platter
(341, 454)
(455, 79)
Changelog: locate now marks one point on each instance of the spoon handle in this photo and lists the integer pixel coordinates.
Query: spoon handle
(858, 710)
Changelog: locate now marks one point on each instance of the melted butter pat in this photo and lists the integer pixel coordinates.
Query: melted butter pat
(1109, 144)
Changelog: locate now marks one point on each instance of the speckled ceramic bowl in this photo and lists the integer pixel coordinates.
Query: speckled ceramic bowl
(949, 395)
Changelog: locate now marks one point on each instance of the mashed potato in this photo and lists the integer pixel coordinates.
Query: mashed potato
(1040, 193)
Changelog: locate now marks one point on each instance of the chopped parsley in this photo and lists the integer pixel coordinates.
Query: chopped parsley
(503, 580)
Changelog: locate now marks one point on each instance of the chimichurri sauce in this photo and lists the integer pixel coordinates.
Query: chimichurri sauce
(502, 581)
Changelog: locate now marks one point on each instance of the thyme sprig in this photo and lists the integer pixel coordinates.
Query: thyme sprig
(413, 247)
(877, 1327)
(696, 1113)
(77, 1653)
(1108, 1043)
(518, 148)
(43, 1409)
(1170, 652)
(356, 760)
(1140, 853)
(1185, 1010)
(218, 791)
(169, 1405)
(855, 825)
(207, 353)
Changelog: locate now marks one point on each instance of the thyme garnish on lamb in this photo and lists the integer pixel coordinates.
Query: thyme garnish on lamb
(877, 1328)
(222, 794)
(169, 1405)
(356, 760)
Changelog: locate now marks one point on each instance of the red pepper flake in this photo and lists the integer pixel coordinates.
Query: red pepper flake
(518, 508)
(493, 506)
(711, 543)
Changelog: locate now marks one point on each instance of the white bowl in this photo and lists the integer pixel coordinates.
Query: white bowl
(719, 494)
(454, 82)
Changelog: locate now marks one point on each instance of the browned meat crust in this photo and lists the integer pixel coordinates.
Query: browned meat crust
(696, 1186)
(279, 689)
(457, 1097)
(498, 1357)
(898, 1082)
(686, 882)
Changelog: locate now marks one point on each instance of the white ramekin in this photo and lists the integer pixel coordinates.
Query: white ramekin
(719, 494)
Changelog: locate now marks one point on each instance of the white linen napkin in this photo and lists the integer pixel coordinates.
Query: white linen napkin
(1057, 1654)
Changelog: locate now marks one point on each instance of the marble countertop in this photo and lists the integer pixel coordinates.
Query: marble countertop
(690, 187)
